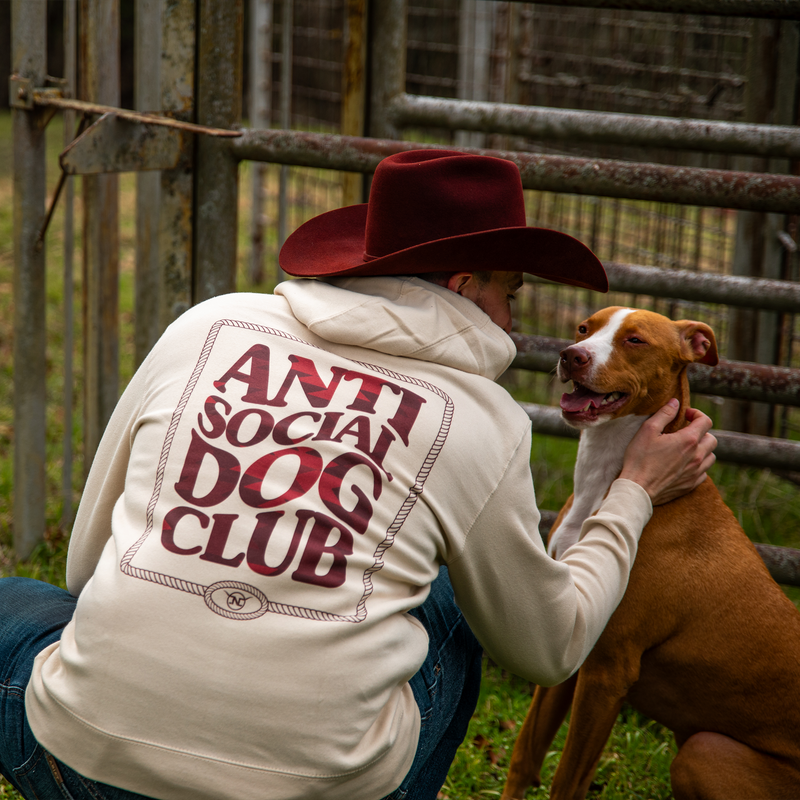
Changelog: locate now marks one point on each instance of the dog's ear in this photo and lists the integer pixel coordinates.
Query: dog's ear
(698, 342)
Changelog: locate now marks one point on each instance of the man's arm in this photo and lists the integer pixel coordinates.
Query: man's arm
(536, 616)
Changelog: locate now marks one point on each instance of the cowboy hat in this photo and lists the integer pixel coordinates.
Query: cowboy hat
(439, 210)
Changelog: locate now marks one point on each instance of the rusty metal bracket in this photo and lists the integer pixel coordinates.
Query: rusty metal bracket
(119, 141)
(23, 95)
(112, 144)
(20, 92)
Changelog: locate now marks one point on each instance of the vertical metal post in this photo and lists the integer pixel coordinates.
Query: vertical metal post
(100, 35)
(260, 117)
(70, 74)
(475, 40)
(175, 244)
(354, 82)
(387, 63)
(28, 60)
(512, 88)
(287, 28)
(147, 97)
(219, 104)
(784, 113)
(751, 231)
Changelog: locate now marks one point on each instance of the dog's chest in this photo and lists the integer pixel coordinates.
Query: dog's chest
(600, 455)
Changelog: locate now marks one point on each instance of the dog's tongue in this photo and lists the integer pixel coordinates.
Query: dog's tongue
(576, 401)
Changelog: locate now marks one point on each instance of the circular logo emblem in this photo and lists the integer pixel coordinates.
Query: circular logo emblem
(236, 600)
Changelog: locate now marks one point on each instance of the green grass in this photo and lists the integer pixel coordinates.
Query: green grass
(636, 760)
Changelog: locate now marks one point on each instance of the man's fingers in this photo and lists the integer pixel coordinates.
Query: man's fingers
(700, 424)
(665, 415)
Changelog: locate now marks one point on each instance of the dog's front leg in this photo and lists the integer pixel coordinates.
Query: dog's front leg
(544, 718)
(597, 702)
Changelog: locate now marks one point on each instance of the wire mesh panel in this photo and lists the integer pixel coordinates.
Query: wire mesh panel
(309, 61)
(661, 64)
(670, 65)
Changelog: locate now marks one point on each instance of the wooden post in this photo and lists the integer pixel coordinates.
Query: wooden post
(28, 60)
(71, 75)
(260, 117)
(219, 91)
(287, 29)
(354, 82)
(387, 59)
(147, 97)
(99, 50)
(176, 197)
(476, 30)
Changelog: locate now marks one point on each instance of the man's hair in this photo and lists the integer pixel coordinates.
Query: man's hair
(441, 278)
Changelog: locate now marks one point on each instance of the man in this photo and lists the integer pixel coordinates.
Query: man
(263, 609)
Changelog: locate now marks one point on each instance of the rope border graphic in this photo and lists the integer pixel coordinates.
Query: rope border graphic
(204, 591)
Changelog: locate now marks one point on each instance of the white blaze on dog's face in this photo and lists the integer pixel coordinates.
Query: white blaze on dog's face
(629, 361)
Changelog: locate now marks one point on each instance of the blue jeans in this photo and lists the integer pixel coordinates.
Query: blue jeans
(33, 614)
(446, 689)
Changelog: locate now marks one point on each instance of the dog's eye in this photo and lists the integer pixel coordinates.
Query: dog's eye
(636, 340)
(582, 329)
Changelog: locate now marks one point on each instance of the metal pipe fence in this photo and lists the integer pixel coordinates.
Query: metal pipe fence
(769, 9)
(670, 182)
(406, 110)
(753, 191)
(728, 379)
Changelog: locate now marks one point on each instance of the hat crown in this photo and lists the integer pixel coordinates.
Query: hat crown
(424, 196)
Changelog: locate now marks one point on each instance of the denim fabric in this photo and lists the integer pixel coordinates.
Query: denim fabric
(446, 689)
(33, 614)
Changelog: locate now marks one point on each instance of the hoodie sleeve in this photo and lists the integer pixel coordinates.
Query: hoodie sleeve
(104, 486)
(535, 616)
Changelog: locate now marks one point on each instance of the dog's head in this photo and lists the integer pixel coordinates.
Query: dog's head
(629, 361)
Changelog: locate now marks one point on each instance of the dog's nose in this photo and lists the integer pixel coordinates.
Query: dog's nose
(574, 357)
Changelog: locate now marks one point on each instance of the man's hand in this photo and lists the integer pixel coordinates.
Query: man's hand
(668, 465)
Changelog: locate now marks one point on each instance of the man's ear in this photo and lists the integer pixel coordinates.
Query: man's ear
(460, 282)
(698, 342)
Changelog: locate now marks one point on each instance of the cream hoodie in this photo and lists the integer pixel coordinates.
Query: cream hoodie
(276, 489)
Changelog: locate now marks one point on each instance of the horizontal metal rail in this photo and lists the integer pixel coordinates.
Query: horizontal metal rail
(592, 126)
(770, 9)
(734, 448)
(737, 379)
(704, 287)
(601, 177)
(783, 563)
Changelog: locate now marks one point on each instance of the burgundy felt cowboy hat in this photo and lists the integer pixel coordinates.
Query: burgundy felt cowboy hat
(439, 210)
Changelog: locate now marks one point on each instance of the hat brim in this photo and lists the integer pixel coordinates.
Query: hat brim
(333, 244)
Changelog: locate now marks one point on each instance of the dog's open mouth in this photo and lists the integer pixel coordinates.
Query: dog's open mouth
(583, 404)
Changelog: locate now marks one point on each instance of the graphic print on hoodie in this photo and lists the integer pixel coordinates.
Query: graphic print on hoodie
(285, 475)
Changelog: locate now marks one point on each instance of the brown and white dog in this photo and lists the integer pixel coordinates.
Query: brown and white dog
(704, 641)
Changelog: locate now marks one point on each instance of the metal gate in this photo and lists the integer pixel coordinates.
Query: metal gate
(187, 217)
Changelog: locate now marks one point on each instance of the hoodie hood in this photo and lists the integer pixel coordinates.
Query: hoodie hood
(406, 317)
